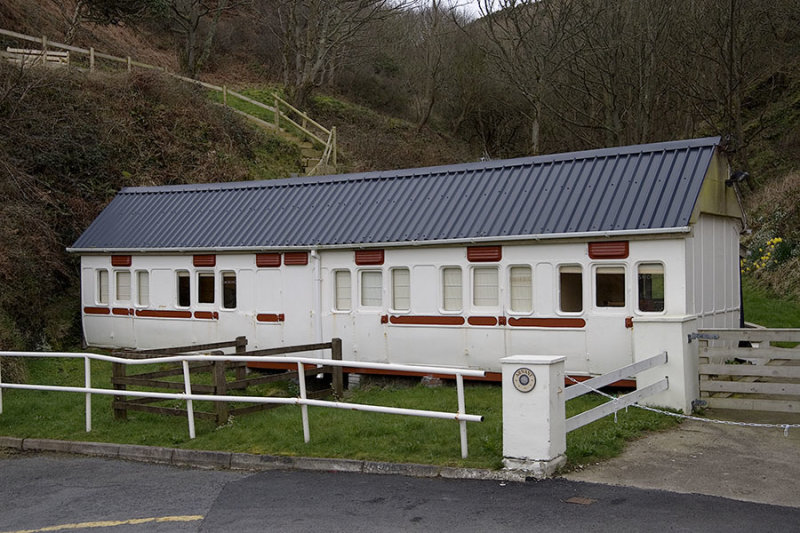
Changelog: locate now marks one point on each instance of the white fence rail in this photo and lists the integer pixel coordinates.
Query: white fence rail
(584, 387)
(461, 416)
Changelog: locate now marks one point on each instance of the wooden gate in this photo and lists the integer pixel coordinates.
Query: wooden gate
(220, 384)
(752, 369)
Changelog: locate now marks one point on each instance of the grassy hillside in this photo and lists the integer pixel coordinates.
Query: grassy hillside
(68, 143)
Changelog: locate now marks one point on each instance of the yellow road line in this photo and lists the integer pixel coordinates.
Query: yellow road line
(112, 523)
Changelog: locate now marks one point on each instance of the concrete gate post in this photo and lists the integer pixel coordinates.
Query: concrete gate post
(652, 336)
(534, 433)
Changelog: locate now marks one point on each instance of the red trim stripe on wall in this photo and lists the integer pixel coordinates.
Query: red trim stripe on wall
(270, 317)
(152, 313)
(428, 320)
(97, 310)
(547, 322)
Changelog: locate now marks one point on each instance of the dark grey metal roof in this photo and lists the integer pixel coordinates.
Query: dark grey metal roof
(627, 189)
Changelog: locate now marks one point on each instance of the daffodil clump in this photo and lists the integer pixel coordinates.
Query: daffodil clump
(761, 259)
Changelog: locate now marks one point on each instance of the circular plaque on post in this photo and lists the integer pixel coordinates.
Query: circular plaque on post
(524, 379)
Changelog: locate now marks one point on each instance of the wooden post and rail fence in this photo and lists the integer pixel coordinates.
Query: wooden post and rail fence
(751, 369)
(285, 116)
(220, 386)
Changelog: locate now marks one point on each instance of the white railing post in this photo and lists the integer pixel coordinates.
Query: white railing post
(301, 380)
(91, 59)
(462, 410)
(1, 383)
(534, 433)
(129, 63)
(87, 382)
(187, 387)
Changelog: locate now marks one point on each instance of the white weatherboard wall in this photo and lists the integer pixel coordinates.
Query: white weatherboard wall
(534, 432)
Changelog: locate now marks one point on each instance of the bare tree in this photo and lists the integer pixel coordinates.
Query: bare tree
(195, 22)
(76, 12)
(313, 32)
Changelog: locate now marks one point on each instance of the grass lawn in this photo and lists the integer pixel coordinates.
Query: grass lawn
(769, 310)
(334, 432)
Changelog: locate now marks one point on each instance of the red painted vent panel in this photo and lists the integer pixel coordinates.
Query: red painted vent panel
(483, 254)
(295, 258)
(121, 260)
(268, 260)
(204, 260)
(608, 250)
(369, 257)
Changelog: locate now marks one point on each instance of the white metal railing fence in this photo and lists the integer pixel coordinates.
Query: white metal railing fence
(306, 125)
(579, 388)
(461, 416)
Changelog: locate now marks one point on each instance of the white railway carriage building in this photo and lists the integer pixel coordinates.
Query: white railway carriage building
(452, 265)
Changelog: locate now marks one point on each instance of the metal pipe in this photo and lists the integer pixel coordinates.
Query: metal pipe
(187, 386)
(87, 381)
(462, 410)
(301, 380)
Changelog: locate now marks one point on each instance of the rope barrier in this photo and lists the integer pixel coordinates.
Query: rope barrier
(785, 427)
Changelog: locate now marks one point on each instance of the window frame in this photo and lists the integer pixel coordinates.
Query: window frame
(596, 269)
(442, 290)
(473, 292)
(664, 275)
(335, 307)
(392, 302)
(558, 301)
(198, 293)
(222, 275)
(361, 272)
(98, 287)
(137, 302)
(117, 299)
(179, 274)
(510, 299)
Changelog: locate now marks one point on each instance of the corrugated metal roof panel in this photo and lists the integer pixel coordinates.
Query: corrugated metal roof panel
(643, 187)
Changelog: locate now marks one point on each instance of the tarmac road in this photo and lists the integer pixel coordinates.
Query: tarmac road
(74, 493)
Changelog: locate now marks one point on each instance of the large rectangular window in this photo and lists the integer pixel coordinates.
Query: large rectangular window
(485, 288)
(521, 289)
(205, 287)
(184, 286)
(451, 289)
(143, 287)
(102, 286)
(123, 285)
(401, 289)
(651, 287)
(570, 288)
(609, 286)
(344, 290)
(371, 288)
(229, 290)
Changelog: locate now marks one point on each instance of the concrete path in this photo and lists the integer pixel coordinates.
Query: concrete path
(743, 463)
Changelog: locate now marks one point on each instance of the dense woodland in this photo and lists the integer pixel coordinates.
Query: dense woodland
(407, 83)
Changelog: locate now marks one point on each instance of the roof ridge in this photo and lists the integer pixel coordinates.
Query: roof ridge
(491, 164)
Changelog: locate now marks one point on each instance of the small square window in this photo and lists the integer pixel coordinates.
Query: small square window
(123, 286)
(205, 288)
(485, 289)
(452, 289)
(651, 287)
(610, 286)
(570, 288)
(521, 289)
(229, 290)
(401, 289)
(184, 288)
(102, 286)
(143, 287)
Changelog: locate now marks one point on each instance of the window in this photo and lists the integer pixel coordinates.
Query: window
(451, 289)
(123, 285)
(143, 287)
(371, 288)
(183, 289)
(205, 287)
(401, 289)
(571, 288)
(651, 287)
(521, 289)
(343, 289)
(102, 286)
(229, 290)
(485, 289)
(609, 286)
